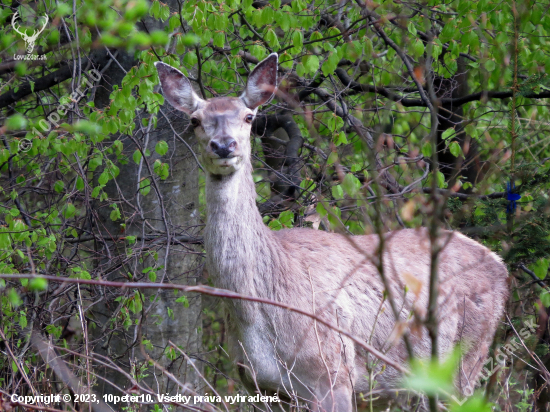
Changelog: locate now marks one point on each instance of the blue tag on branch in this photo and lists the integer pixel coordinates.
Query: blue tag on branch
(511, 197)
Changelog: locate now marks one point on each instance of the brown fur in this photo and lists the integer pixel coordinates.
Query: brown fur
(335, 274)
(332, 276)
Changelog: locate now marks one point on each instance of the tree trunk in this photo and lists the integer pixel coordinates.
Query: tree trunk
(172, 211)
(452, 116)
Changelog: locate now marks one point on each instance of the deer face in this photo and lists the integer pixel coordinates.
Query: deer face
(223, 129)
(222, 125)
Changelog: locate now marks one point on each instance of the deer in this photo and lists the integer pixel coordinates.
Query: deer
(29, 39)
(330, 275)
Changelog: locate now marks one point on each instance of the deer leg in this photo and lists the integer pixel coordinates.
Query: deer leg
(337, 400)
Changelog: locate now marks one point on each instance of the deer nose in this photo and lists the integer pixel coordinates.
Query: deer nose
(223, 150)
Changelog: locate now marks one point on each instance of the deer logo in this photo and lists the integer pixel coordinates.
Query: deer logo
(29, 40)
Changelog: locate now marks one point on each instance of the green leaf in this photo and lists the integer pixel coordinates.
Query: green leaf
(219, 39)
(337, 192)
(545, 298)
(470, 39)
(441, 180)
(271, 39)
(267, 16)
(540, 267)
(367, 47)
(332, 158)
(164, 12)
(190, 58)
(69, 211)
(275, 224)
(79, 183)
(433, 377)
(14, 298)
(258, 51)
(448, 133)
(155, 9)
(351, 184)
(145, 186)
(340, 138)
(455, 149)
(59, 186)
(330, 64)
(189, 39)
(411, 28)
(184, 300)
(333, 217)
(490, 65)
(94, 163)
(283, 20)
(161, 169)
(298, 6)
(161, 148)
(448, 31)
(115, 214)
(22, 320)
(87, 127)
(173, 22)
(103, 178)
(38, 284)
(131, 239)
(287, 218)
(297, 40)
(300, 69)
(321, 209)
(427, 149)
(286, 60)
(308, 184)
(476, 403)
(417, 48)
(95, 192)
(436, 51)
(137, 156)
(16, 122)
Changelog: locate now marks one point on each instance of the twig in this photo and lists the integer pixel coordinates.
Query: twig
(223, 293)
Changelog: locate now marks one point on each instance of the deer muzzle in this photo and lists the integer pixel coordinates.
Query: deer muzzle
(223, 148)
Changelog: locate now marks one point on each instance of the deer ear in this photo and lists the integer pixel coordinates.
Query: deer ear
(177, 89)
(262, 82)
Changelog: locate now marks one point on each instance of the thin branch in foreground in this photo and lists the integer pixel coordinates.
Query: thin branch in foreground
(222, 293)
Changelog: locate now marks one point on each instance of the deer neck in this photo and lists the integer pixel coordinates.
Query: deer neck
(239, 247)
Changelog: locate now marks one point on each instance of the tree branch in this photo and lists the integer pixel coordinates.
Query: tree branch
(98, 58)
(265, 125)
(362, 131)
(465, 196)
(532, 274)
(223, 293)
(458, 101)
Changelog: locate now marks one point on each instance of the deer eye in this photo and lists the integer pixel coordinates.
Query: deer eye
(249, 118)
(195, 122)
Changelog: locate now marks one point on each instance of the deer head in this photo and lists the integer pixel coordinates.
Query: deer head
(29, 40)
(222, 125)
